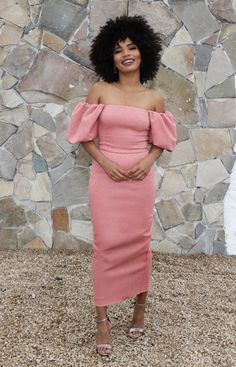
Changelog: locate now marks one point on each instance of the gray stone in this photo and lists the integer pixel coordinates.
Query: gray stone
(189, 173)
(11, 215)
(7, 165)
(25, 235)
(196, 17)
(32, 217)
(220, 235)
(40, 165)
(221, 112)
(21, 143)
(199, 195)
(219, 68)
(228, 162)
(51, 152)
(62, 122)
(223, 90)
(82, 158)
(182, 133)
(61, 17)
(200, 228)
(186, 242)
(8, 81)
(20, 60)
(202, 56)
(6, 130)
(204, 243)
(182, 105)
(158, 16)
(8, 239)
(10, 98)
(40, 84)
(183, 154)
(169, 213)
(182, 37)
(15, 116)
(15, 12)
(72, 188)
(81, 213)
(192, 212)
(65, 241)
(79, 53)
(202, 109)
(52, 41)
(216, 172)
(219, 248)
(157, 232)
(43, 119)
(217, 193)
(223, 10)
(214, 214)
(230, 47)
(10, 34)
(200, 80)
(26, 169)
(226, 31)
(59, 171)
(22, 187)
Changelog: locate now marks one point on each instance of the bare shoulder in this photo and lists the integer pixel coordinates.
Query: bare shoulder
(158, 101)
(95, 92)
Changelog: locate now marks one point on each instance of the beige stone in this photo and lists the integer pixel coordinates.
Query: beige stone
(179, 59)
(214, 214)
(22, 187)
(26, 169)
(14, 13)
(185, 197)
(219, 68)
(200, 78)
(183, 154)
(182, 37)
(8, 81)
(62, 241)
(210, 172)
(169, 213)
(10, 34)
(222, 112)
(166, 246)
(34, 37)
(211, 143)
(172, 184)
(36, 244)
(182, 105)
(227, 30)
(39, 131)
(83, 230)
(4, 51)
(189, 173)
(52, 41)
(44, 230)
(11, 98)
(6, 188)
(54, 109)
(157, 232)
(41, 188)
(8, 238)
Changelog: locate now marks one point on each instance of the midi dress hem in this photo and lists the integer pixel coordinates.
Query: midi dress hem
(118, 300)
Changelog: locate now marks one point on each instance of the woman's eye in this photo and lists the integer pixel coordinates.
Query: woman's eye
(116, 51)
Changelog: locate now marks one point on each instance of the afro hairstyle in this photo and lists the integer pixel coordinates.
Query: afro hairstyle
(140, 32)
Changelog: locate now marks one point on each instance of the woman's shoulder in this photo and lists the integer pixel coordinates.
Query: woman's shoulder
(156, 99)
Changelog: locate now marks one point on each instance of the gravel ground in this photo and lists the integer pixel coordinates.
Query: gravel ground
(48, 318)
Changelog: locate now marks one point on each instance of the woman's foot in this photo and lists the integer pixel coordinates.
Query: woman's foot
(103, 339)
(137, 324)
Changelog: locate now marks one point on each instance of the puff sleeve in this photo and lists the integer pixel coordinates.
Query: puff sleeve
(162, 130)
(83, 123)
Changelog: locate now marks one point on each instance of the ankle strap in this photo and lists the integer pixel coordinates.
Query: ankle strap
(98, 321)
(140, 304)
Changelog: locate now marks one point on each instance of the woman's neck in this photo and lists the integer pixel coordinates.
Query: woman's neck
(129, 82)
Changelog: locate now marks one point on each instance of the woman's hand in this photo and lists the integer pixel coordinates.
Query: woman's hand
(114, 171)
(141, 169)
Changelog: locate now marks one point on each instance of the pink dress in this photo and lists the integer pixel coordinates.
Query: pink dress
(122, 211)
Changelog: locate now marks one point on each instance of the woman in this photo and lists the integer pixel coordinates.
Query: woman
(126, 116)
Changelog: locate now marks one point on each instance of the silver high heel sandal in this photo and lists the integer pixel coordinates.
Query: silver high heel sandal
(139, 330)
(106, 346)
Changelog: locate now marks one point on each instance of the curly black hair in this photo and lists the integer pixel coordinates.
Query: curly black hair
(140, 32)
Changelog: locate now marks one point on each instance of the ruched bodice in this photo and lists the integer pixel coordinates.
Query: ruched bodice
(121, 128)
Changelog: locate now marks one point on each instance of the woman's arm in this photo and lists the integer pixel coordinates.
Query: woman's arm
(112, 169)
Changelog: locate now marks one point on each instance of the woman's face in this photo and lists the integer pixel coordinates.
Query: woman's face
(126, 56)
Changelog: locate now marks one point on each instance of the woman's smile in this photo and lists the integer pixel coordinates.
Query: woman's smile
(126, 55)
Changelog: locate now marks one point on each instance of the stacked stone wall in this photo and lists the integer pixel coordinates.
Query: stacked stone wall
(45, 71)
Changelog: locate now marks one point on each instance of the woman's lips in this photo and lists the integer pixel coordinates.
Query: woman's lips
(128, 61)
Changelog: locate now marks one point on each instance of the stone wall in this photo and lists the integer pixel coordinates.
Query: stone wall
(45, 71)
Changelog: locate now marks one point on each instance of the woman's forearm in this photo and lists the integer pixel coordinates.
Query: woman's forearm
(154, 153)
(94, 152)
